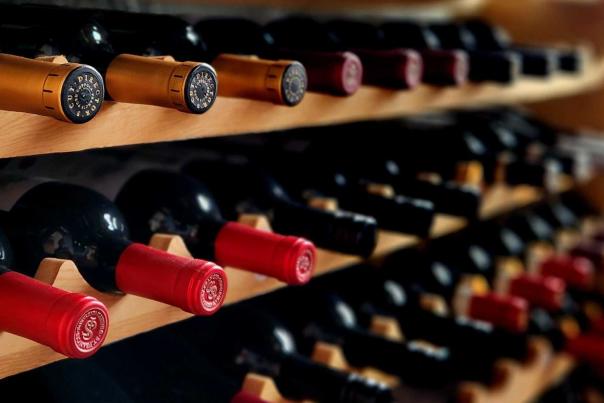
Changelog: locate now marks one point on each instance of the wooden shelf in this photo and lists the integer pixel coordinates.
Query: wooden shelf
(131, 315)
(522, 382)
(431, 7)
(122, 124)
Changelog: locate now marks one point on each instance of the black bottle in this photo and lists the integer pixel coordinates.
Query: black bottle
(67, 381)
(252, 341)
(497, 66)
(392, 68)
(53, 219)
(474, 340)
(538, 62)
(243, 187)
(169, 202)
(78, 34)
(397, 213)
(280, 81)
(325, 317)
(441, 67)
(349, 179)
(334, 72)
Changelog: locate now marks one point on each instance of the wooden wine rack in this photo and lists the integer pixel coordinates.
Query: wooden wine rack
(131, 315)
(124, 124)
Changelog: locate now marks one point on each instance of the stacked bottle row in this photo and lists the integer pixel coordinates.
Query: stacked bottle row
(162, 60)
(101, 208)
(521, 279)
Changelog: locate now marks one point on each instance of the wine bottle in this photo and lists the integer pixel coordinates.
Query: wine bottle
(252, 189)
(268, 348)
(468, 295)
(569, 60)
(477, 341)
(391, 68)
(395, 213)
(72, 324)
(361, 186)
(59, 220)
(186, 86)
(339, 175)
(334, 72)
(66, 381)
(333, 321)
(163, 201)
(498, 66)
(70, 92)
(538, 62)
(441, 67)
(280, 81)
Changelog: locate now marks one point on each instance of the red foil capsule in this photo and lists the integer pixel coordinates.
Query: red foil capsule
(591, 250)
(576, 271)
(339, 73)
(505, 311)
(545, 292)
(597, 326)
(445, 67)
(288, 258)
(395, 68)
(588, 348)
(246, 397)
(72, 324)
(194, 285)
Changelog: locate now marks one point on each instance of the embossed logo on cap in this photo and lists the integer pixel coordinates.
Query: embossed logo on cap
(304, 264)
(212, 292)
(90, 330)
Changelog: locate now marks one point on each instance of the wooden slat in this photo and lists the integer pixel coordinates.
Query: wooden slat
(122, 124)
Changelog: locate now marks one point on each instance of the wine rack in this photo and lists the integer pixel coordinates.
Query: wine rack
(131, 315)
(120, 124)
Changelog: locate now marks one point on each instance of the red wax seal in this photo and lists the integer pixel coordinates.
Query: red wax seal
(576, 271)
(395, 68)
(506, 311)
(246, 397)
(546, 292)
(288, 258)
(587, 347)
(72, 324)
(194, 285)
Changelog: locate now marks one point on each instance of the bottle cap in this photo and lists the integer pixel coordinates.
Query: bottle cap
(546, 292)
(396, 68)
(186, 86)
(288, 258)
(590, 250)
(282, 82)
(505, 311)
(576, 271)
(80, 324)
(446, 67)
(70, 323)
(65, 91)
(194, 285)
(587, 347)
